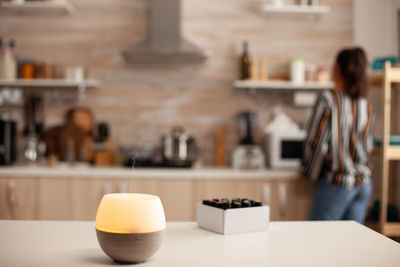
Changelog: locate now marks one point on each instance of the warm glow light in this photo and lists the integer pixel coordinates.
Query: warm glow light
(130, 213)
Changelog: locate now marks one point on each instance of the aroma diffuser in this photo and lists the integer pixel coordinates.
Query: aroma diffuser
(129, 226)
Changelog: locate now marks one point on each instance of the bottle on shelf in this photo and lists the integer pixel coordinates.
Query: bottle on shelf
(254, 69)
(245, 63)
(263, 68)
(10, 61)
(1, 59)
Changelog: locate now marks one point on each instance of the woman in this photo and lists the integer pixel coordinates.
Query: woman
(339, 141)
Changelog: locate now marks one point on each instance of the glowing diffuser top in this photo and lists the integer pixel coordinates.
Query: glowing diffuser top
(130, 213)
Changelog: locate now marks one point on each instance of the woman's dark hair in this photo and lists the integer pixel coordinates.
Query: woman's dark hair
(352, 64)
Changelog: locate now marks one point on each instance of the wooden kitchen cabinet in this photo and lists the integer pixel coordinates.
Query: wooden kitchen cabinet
(74, 198)
(294, 200)
(78, 198)
(18, 199)
(58, 199)
(176, 196)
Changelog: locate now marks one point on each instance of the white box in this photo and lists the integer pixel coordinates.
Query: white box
(233, 221)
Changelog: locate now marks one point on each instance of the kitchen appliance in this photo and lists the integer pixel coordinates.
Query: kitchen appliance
(130, 227)
(247, 155)
(102, 148)
(165, 43)
(284, 149)
(34, 147)
(33, 115)
(144, 155)
(220, 149)
(31, 150)
(179, 149)
(247, 121)
(8, 142)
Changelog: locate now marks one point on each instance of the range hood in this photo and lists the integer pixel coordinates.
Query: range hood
(164, 43)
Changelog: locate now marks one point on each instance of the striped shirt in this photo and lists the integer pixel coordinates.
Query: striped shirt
(339, 140)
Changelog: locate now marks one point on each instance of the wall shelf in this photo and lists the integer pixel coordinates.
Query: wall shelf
(37, 7)
(282, 85)
(295, 9)
(42, 86)
(49, 83)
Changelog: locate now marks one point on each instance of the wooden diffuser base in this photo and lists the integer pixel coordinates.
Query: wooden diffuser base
(130, 248)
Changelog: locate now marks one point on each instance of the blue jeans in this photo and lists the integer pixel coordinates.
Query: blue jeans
(333, 202)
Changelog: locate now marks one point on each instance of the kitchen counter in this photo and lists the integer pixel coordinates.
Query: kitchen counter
(86, 171)
(340, 243)
(73, 192)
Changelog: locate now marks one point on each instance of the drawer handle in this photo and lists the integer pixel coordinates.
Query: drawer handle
(282, 199)
(266, 193)
(122, 188)
(107, 188)
(12, 199)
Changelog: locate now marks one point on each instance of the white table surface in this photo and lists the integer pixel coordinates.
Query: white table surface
(61, 243)
(86, 171)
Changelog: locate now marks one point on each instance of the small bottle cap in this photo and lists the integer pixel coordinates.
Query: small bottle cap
(11, 43)
(235, 204)
(257, 203)
(245, 204)
(220, 205)
(206, 202)
(244, 199)
(245, 44)
(213, 203)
